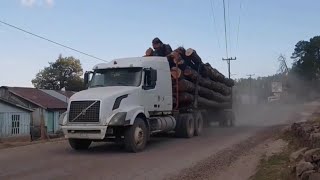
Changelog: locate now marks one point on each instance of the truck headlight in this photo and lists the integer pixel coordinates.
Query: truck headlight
(118, 119)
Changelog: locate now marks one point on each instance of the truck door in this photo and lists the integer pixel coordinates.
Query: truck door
(150, 95)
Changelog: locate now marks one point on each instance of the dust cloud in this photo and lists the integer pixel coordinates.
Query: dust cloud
(258, 111)
(266, 114)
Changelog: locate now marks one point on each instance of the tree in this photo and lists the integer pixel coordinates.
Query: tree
(283, 68)
(306, 58)
(65, 73)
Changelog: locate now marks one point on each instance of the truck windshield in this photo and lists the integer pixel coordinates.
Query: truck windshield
(116, 77)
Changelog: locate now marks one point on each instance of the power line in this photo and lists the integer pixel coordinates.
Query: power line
(225, 27)
(238, 29)
(54, 42)
(214, 21)
(229, 29)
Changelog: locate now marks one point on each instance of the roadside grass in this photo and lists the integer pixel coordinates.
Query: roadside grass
(278, 166)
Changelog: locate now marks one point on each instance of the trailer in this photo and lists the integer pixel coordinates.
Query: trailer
(130, 99)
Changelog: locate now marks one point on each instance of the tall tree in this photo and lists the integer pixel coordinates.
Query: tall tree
(306, 58)
(65, 73)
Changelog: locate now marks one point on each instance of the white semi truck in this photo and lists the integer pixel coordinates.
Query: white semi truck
(128, 100)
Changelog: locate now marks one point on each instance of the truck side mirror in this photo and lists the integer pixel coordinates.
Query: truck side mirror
(86, 78)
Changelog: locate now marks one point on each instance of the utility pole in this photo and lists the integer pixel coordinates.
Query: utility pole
(228, 61)
(250, 82)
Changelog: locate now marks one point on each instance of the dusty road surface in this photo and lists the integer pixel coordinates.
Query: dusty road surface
(164, 158)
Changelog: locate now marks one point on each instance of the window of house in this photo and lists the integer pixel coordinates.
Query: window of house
(15, 119)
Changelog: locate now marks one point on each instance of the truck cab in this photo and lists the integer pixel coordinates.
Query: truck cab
(126, 99)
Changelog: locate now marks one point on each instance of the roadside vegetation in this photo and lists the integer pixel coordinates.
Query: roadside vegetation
(300, 159)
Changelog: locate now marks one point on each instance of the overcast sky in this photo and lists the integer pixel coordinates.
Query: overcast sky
(113, 29)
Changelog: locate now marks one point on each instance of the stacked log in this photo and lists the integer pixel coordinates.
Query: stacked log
(192, 79)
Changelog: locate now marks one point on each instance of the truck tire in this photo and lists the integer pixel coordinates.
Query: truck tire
(198, 123)
(135, 137)
(178, 127)
(206, 120)
(79, 144)
(231, 119)
(222, 116)
(185, 127)
(227, 119)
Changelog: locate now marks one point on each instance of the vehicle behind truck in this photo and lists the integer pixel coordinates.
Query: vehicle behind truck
(128, 100)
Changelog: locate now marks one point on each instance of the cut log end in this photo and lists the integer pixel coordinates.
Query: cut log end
(149, 52)
(180, 50)
(175, 73)
(189, 52)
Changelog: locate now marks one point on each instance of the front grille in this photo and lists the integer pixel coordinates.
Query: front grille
(78, 113)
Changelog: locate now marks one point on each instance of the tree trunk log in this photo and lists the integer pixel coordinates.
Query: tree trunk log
(181, 51)
(213, 74)
(185, 86)
(176, 73)
(215, 86)
(211, 95)
(191, 74)
(192, 55)
(212, 104)
(229, 82)
(185, 99)
(149, 52)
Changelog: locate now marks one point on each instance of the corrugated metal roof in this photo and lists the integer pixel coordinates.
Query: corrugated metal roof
(66, 93)
(56, 94)
(38, 97)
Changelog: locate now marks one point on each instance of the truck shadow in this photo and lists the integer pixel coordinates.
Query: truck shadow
(118, 148)
(157, 142)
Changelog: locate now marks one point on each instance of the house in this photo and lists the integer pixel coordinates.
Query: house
(14, 120)
(46, 104)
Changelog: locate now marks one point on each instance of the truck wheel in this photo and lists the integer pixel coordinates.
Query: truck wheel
(178, 127)
(135, 138)
(79, 144)
(198, 123)
(187, 126)
(223, 119)
(206, 120)
(231, 119)
(228, 119)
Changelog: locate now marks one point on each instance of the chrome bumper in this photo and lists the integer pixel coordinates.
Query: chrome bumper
(84, 132)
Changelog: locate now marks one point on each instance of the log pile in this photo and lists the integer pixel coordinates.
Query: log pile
(193, 80)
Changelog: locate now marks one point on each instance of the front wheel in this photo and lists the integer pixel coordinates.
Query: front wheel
(80, 144)
(135, 138)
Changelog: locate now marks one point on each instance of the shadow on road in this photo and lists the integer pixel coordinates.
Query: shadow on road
(156, 142)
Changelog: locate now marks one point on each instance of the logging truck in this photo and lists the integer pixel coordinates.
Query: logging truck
(130, 99)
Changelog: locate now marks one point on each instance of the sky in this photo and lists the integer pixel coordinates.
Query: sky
(112, 29)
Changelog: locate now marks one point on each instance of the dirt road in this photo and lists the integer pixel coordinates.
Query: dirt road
(164, 158)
